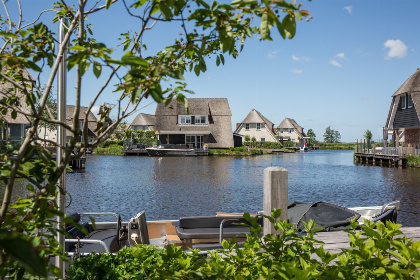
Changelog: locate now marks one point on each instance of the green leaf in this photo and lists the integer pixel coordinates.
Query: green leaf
(97, 69)
(108, 4)
(7, 34)
(14, 114)
(280, 28)
(134, 60)
(289, 24)
(165, 10)
(217, 61)
(92, 220)
(265, 30)
(197, 70)
(222, 58)
(136, 95)
(23, 251)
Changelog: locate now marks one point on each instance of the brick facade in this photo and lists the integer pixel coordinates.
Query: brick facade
(412, 136)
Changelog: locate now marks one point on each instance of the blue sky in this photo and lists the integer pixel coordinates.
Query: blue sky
(340, 70)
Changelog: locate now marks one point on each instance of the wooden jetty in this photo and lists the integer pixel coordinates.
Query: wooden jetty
(134, 152)
(391, 156)
(334, 241)
(78, 164)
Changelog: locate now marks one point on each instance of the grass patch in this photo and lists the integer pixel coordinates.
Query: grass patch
(113, 149)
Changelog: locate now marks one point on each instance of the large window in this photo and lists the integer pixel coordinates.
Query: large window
(258, 126)
(192, 120)
(247, 126)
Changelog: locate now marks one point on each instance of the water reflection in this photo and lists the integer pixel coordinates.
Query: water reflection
(171, 187)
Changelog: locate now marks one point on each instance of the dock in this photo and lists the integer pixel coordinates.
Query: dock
(390, 156)
(135, 152)
(334, 241)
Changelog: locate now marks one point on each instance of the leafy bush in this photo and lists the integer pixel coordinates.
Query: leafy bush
(413, 160)
(113, 149)
(375, 253)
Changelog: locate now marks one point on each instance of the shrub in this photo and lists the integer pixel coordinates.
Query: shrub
(375, 253)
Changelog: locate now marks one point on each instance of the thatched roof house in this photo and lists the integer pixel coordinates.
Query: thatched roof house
(208, 122)
(143, 122)
(258, 126)
(289, 130)
(13, 128)
(92, 135)
(403, 116)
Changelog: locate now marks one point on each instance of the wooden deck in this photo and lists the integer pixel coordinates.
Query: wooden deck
(135, 152)
(381, 159)
(336, 240)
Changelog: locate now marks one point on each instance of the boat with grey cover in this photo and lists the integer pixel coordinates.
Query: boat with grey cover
(207, 232)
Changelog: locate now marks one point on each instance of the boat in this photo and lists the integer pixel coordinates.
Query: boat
(207, 232)
(304, 148)
(170, 150)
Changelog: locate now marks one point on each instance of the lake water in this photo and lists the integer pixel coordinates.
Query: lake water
(171, 187)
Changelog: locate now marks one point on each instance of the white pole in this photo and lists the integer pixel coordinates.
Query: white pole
(61, 137)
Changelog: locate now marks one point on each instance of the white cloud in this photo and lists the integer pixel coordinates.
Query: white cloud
(339, 56)
(396, 49)
(335, 63)
(272, 54)
(302, 58)
(95, 110)
(297, 71)
(348, 9)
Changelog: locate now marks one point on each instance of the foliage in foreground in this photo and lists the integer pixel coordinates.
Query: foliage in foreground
(132, 71)
(375, 253)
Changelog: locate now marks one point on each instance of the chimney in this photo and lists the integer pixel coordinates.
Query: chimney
(237, 125)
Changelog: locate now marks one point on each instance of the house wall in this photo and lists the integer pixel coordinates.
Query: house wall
(412, 136)
(405, 117)
(221, 136)
(294, 136)
(258, 134)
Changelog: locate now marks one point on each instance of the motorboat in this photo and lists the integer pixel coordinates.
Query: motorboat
(170, 150)
(304, 148)
(207, 232)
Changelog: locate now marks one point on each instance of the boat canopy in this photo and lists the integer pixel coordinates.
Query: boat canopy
(326, 215)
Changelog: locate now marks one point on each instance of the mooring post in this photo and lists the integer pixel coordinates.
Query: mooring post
(275, 194)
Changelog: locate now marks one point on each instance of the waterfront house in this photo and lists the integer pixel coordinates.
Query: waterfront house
(90, 129)
(13, 129)
(208, 122)
(289, 130)
(403, 117)
(143, 122)
(258, 126)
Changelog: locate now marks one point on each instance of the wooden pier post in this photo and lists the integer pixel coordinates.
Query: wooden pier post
(275, 194)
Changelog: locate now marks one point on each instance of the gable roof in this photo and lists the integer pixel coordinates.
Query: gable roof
(197, 106)
(411, 86)
(91, 119)
(291, 123)
(256, 117)
(144, 119)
